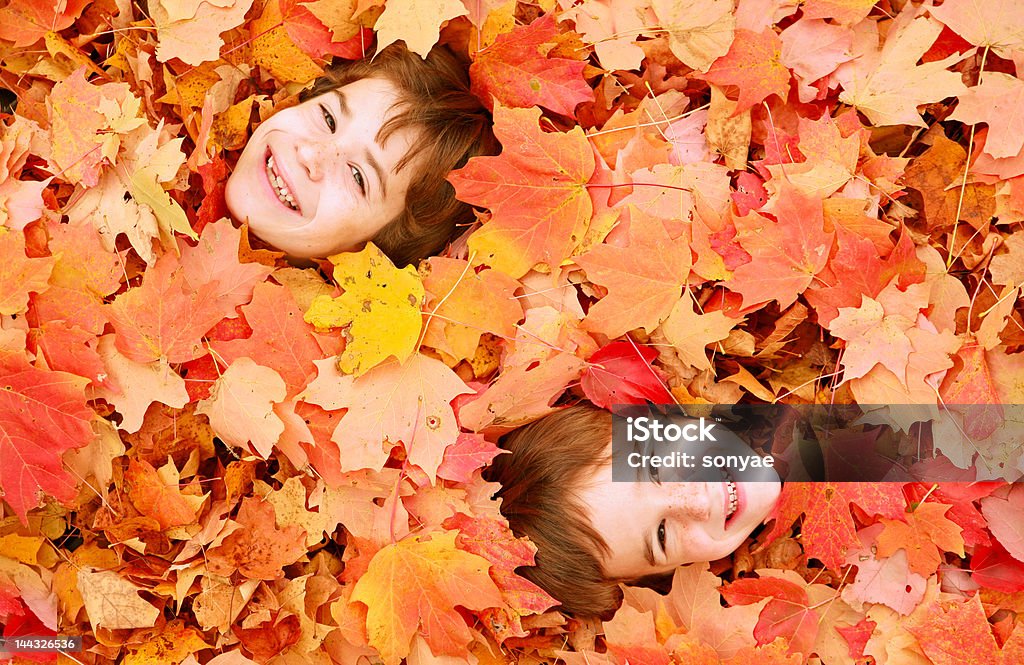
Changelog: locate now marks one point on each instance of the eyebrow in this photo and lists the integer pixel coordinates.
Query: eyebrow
(370, 159)
(648, 551)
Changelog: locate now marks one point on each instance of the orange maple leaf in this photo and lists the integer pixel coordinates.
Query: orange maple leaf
(644, 279)
(754, 65)
(785, 255)
(925, 533)
(535, 189)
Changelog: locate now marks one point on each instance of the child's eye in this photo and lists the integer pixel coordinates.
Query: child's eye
(661, 536)
(358, 177)
(328, 118)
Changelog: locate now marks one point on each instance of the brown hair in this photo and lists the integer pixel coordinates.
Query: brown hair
(549, 462)
(434, 98)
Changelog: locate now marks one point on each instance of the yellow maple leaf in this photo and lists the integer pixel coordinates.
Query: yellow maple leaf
(413, 586)
(381, 306)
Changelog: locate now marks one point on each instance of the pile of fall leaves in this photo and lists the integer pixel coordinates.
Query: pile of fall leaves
(210, 456)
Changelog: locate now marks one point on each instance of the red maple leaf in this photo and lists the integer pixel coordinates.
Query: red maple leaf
(828, 527)
(42, 415)
(621, 373)
(788, 614)
(516, 72)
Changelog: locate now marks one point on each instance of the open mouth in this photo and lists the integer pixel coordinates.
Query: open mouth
(732, 497)
(277, 183)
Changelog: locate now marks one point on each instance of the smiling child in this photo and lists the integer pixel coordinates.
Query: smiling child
(592, 532)
(364, 156)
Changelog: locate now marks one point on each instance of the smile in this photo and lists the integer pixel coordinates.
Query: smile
(733, 495)
(278, 184)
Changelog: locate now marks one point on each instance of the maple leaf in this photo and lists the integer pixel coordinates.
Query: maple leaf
(856, 270)
(612, 28)
(994, 23)
(690, 332)
(1008, 268)
(325, 26)
(621, 373)
(785, 255)
(876, 335)
(1003, 513)
(830, 160)
(753, 64)
(81, 133)
(275, 52)
(516, 71)
(958, 632)
(644, 279)
(700, 31)
(156, 498)
(846, 12)
(215, 259)
(113, 602)
(936, 169)
(993, 567)
(19, 274)
(535, 189)
(413, 586)
(165, 318)
(888, 85)
(42, 415)
(81, 263)
(194, 39)
(258, 549)
(922, 533)
(416, 22)
(494, 541)
(469, 453)
(240, 406)
(814, 49)
(883, 579)
(463, 303)
(381, 306)
(521, 394)
(280, 339)
(408, 402)
(138, 385)
(632, 638)
(25, 22)
(995, 101)
(695, 603)
(828, 527)
(788, 613)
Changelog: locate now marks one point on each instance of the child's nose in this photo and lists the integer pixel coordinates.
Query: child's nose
(690, 500)
(314, 156)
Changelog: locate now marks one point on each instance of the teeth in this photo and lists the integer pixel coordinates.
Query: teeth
(280, 188)
(730, 486)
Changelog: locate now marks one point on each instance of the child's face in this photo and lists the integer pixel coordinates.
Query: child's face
(314, 181)
(652, 528)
